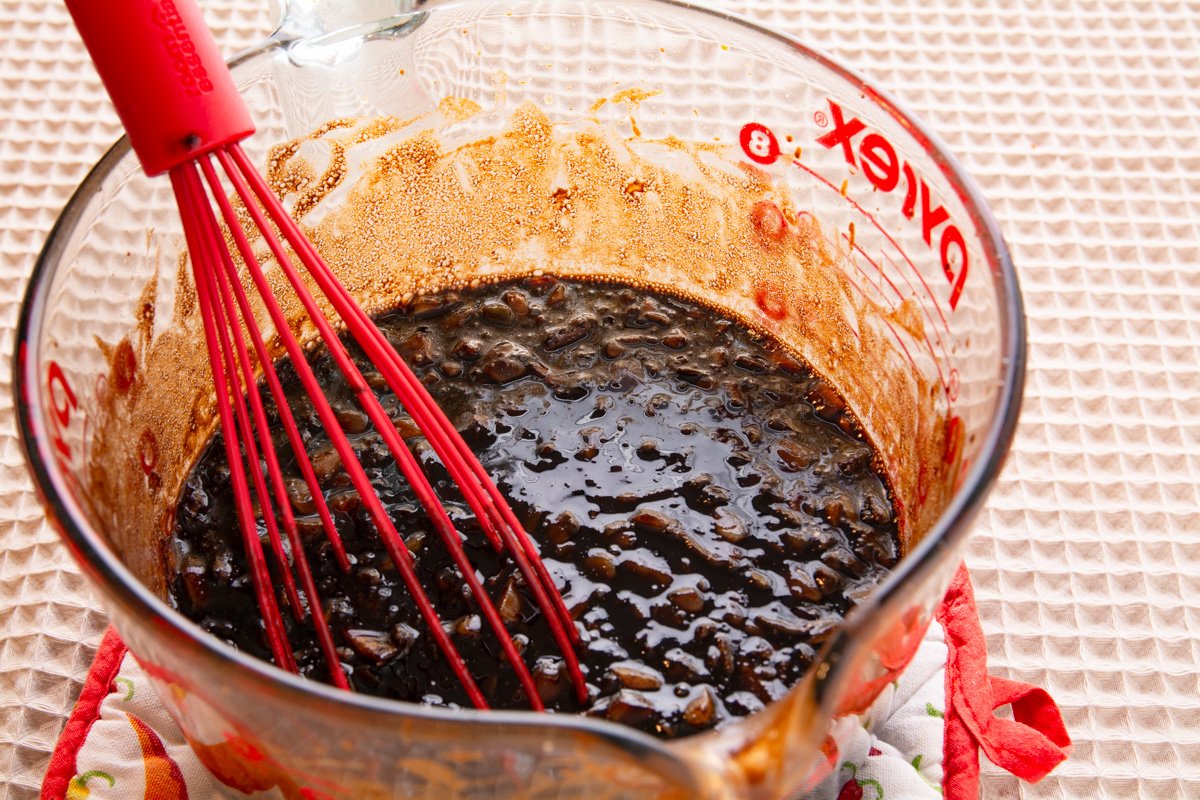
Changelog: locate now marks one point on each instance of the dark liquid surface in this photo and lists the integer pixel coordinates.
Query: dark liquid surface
(705, 504)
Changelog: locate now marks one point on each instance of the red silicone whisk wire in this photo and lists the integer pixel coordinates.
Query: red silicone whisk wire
(476, 487)
(391, 538)
(225, 278)
(291, 431)
(185, 182)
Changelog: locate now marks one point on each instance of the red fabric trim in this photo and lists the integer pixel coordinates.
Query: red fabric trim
(99, 684)
(1029, 746)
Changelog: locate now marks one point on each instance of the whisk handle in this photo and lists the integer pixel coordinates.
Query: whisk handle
(165, 75)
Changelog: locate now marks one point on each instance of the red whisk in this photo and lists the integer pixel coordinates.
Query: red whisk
(184, 116)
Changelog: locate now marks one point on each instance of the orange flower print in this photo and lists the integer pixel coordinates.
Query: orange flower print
(164, 780)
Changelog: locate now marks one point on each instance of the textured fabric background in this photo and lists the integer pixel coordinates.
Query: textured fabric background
(1080, 119)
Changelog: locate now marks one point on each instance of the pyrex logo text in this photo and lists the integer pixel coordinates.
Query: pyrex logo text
(877, 159)
(63, 407)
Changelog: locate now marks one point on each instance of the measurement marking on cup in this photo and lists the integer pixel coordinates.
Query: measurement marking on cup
(857, 207)
(883, 298)
(860, 290)
(883, 169)
(924, 338)
(759, 143)
(895, 333)
(937, 363)
(924, 310)
(941, 341)
(900, 341)
(882, 275)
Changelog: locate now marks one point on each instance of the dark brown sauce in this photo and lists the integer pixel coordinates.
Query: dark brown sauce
(706, 505)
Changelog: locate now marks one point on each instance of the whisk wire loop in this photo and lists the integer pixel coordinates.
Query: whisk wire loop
(225, 307)
(286, 418)
(391, 538)
(226, 276)
(251, 426)
(477, 488)
(185, 182)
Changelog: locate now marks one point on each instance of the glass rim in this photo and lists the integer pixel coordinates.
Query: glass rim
(942, 541)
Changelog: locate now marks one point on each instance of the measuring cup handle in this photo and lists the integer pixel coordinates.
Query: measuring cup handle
(304, 19)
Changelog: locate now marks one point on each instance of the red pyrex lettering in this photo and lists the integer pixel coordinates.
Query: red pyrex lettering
(63, 404)
(878, 160)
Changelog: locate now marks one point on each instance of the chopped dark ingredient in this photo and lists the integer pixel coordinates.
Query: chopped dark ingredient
(633, 675)
(701, 711)
(374, 646)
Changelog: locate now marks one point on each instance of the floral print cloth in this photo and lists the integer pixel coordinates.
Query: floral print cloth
(895, 751)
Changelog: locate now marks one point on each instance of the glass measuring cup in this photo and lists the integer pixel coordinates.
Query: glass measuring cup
(914, 316)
